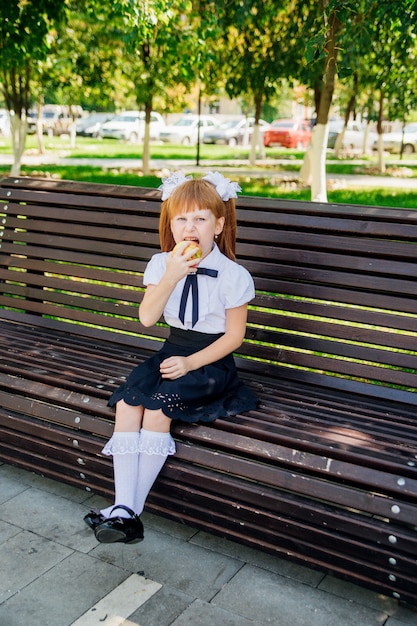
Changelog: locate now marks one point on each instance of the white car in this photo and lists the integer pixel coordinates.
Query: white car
(90, 126)
(130, 125)
(354, 136)
(185, 130)
(392, 141)
(235, 131)
(4, 123)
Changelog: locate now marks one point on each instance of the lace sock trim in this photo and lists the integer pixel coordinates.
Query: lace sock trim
(156, 443)
(122, 443)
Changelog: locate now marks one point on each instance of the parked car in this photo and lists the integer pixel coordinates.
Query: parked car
(55, 119)
(90, 126)
(4, 123)
(288, 133)
(185, 130)
(234, 131)
(354, 135)
(392, 141)
(130, 125)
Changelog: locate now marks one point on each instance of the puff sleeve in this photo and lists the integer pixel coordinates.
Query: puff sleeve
(237, 287)
(155, 269)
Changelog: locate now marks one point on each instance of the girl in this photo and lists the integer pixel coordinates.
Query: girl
(193, 377)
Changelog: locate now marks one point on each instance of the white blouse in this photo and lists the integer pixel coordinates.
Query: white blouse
(232, 287)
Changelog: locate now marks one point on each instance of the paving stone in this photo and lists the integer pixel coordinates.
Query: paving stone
(367, 597)
(96, 502)
(254, 592)
(402, 620)
(188, 568)
(258, 558)
(10, 485)
(65, 491)
(31, 479)
(117, 605)
(50, 516)
(204, 614)
(164, 525)
(61, 595)
(24, 558)
(7, 531)
(163, 608)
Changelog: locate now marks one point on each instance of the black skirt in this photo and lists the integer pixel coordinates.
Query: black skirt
(202, 395)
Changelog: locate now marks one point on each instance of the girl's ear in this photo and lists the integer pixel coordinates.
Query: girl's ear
(219, 226)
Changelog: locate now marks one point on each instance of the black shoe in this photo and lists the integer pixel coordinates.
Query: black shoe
(94, 518)
(120, 529)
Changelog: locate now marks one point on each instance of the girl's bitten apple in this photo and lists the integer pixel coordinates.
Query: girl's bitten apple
(191, 245)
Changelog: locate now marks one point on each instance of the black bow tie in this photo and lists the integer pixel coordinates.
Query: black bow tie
(191, 283)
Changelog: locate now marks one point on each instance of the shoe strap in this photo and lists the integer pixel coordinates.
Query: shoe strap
(125, 508)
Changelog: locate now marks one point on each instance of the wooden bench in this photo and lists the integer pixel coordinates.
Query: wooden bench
(324, 472)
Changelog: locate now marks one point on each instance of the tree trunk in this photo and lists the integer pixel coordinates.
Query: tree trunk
(381, 160)
(16, 91)
(19, 130)
(146, 140)
(73, 134)
(350, 107)
(313, 170)
(257, 143)
(39, 127)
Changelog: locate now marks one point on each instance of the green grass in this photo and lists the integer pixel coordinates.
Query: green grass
(251, 186)
(259, 183)
(108, 148)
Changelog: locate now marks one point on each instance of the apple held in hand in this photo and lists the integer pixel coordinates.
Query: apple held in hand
(191, 245)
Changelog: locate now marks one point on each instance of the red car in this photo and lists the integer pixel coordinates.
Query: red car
(288, 133)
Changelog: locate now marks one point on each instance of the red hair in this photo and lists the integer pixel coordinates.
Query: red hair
(202, 195)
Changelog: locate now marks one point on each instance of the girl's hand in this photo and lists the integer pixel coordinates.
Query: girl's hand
(174, 367)
(180, 263)
(156, 296)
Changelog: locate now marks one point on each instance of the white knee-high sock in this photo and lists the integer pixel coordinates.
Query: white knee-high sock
(154, 448)
(124, 447)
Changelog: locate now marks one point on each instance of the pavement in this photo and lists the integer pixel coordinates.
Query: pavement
(54, 573)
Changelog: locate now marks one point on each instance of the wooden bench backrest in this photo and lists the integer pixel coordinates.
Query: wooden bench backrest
(336, 302)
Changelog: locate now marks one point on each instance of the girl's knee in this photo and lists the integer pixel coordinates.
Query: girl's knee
(128, 418)
(156, 421)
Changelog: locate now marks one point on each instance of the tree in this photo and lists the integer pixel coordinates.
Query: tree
(85, 64)
(322, 50)
(27, 32)
(161, 49)
(259, 52)
(392, 63)
(383, 31)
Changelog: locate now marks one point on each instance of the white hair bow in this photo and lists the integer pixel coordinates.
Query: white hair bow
(224, 187)
(172, 182)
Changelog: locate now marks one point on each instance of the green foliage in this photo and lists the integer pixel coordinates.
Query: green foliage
(25, 27)
(315, 48)
(159, 45)
(259, 48)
